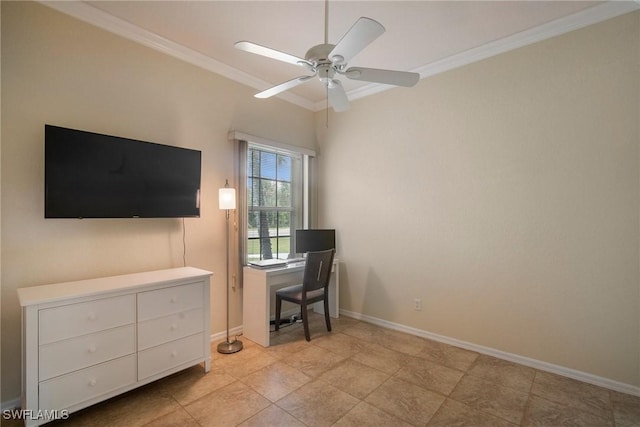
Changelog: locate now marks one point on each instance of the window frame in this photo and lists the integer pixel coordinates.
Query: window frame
(294, 209)
(303, 200)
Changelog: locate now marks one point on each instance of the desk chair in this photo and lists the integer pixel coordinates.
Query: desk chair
(314, 288)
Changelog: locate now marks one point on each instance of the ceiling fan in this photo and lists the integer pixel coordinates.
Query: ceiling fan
(327, 62)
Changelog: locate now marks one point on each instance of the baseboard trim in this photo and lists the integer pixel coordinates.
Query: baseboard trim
(533, 363)
(237, 331)
(10, 404)
(233, 332)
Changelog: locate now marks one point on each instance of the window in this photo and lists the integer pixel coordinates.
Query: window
(275, 191)
(273, 196)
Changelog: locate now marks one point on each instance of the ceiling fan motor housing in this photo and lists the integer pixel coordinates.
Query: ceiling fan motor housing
(324, 67)
(319, 53)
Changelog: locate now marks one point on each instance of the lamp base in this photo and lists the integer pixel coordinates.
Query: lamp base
(227, 347)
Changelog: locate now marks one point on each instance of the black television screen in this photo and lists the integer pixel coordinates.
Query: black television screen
(89, 175)
(315, 240)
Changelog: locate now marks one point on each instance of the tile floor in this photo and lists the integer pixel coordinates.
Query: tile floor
(361, 375)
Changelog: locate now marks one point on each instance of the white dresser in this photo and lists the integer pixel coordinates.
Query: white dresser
(87, 341)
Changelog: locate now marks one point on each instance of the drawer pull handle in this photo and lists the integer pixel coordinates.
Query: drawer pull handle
(174, 353)
(92, 349)
(92, 316)
(93, 382)
(174, 327)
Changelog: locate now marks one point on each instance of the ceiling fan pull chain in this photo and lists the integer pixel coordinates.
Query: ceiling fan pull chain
(326, 121)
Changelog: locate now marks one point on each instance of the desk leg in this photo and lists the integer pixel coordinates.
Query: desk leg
(255, 310)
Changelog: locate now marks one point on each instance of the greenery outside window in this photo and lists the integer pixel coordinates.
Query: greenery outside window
(274, 201)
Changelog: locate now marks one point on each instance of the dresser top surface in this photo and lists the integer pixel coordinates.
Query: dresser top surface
(82, 288)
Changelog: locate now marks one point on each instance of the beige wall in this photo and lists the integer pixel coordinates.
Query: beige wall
(505, 195)
(58, 70)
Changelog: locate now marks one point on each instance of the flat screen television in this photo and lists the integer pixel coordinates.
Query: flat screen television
(90, 175)
(314, 240)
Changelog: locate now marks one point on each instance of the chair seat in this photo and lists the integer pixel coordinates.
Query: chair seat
(294, 293)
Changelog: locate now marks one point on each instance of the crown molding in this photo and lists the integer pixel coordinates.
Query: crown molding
(584, 18)
(98, 18)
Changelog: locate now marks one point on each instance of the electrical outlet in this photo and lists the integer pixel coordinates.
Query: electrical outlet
(417, 304)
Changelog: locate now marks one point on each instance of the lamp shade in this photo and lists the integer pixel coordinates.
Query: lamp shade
(227, 198)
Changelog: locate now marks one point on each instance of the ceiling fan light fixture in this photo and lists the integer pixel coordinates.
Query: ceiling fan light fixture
(326, 74)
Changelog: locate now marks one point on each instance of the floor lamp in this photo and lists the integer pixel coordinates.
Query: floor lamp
(227, 201)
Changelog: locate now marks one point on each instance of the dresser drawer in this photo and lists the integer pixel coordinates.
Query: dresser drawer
(168, 328)
(166, 356)
(163, 302)
(73, 320)
(72, 354)
(68, 390)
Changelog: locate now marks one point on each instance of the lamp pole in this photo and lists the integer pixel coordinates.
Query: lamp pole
(227, 201)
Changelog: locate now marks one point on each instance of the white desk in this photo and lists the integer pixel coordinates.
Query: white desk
(258, 297)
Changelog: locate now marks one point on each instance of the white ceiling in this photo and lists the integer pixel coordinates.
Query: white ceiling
(421, 36)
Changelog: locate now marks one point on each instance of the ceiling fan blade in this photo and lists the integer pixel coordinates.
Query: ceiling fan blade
(337, 96)
(363, 32)
(270, 53)
(282, 87)
(390, 77)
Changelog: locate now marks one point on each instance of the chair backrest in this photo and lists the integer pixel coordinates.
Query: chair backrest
(317, 270)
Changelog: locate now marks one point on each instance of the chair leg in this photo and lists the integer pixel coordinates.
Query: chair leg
(327, 319)
(278, 311)
(305, 322)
